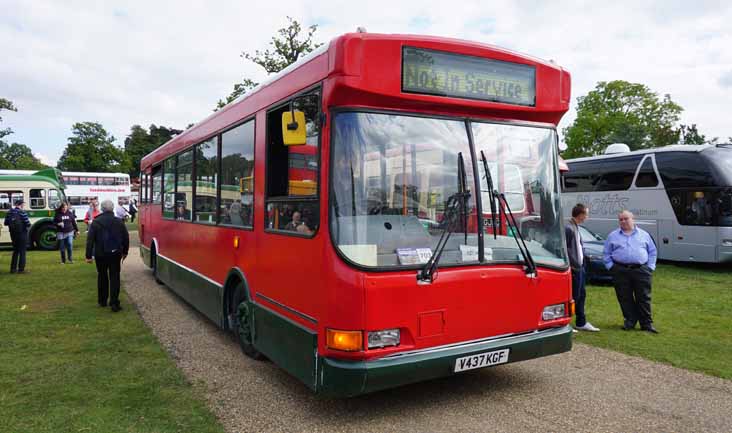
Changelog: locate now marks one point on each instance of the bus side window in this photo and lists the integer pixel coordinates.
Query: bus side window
(37, 198)
(292, 172)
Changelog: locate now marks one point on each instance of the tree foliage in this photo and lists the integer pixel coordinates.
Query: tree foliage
(18, 156)
(91, 148)
(288, 45)
(140, 142)
(6, 105)
(621, 112)
(15, 156)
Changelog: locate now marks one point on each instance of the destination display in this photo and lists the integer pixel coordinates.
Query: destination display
(448, 74)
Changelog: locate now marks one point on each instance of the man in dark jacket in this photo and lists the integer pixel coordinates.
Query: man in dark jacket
(18, 225)
(108, 242)
(577, 263)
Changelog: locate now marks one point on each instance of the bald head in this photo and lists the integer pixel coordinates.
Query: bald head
(625, 218)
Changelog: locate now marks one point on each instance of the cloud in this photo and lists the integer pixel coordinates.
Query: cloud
(725, 80)
(156, 62)
(45, 160)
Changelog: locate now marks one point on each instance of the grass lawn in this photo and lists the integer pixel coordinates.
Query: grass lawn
(131, 226)
(67, 365)
(692, 309)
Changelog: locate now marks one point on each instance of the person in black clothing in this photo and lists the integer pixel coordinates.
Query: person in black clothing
(18, 225)
(108, 242)
(66, 230)
(133, 210)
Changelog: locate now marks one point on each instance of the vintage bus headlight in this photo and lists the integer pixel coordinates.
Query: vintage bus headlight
(552, 312)
(387, 337)
(727, 242)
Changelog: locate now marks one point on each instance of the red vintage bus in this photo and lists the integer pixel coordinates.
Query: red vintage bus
(354, 260)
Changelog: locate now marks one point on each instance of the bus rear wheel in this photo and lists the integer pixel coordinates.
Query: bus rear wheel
(244, 323)
(44, 238)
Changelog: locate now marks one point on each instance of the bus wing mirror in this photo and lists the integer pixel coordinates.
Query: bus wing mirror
(293, 128)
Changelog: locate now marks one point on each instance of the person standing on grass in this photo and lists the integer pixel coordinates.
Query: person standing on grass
(577, 263)
(91, 213)
(18, 224)
(631, 254)
(108, 243)
(66, 230)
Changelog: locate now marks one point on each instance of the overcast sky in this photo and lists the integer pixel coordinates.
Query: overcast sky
(168, 62)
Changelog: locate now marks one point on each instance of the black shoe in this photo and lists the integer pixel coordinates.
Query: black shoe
(116, 308)
(650, 329)
(628, 326)
(23, 272)
(103, 305)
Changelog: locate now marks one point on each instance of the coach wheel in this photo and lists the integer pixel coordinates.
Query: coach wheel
(45, 238)
(244, 327)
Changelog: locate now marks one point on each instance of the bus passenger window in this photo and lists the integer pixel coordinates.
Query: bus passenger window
(237, 175)
(37, 198)
(292, 171)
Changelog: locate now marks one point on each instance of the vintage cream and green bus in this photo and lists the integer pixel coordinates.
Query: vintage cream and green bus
(42, 192)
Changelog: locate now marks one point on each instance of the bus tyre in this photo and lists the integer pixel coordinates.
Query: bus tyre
(154, 263)
(44, 238)
(244, 324)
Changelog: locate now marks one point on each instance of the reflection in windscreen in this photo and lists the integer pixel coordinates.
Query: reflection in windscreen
(393, 175)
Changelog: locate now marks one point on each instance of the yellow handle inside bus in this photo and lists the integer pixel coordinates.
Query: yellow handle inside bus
(293, 130)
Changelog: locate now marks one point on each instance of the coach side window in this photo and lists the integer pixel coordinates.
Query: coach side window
(207, 169)
(237, 176)
(646, 175)
(292, 172)
(169, 187)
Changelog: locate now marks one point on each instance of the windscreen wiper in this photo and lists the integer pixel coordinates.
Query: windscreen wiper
(454, 210)
(528, 259)
(491, 194)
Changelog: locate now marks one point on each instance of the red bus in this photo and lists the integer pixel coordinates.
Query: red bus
(415, 234)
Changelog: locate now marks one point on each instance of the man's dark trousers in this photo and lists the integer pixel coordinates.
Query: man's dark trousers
(108, 268)
(579, 293)
(20, 245)
(633, 289)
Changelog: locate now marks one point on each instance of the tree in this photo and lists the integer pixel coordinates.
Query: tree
(288, 45)
(6, 105)
(91, 148)
(690, 135)
(15, 156)
(621, 112)
(140, 142)
(18, 156)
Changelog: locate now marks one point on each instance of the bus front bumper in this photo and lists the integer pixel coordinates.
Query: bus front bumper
(339, 378)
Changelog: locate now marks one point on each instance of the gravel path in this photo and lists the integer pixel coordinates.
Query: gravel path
(588, 389)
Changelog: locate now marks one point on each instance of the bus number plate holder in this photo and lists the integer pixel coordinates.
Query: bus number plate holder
(481, 360)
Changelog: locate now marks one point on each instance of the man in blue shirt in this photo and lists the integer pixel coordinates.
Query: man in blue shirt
(18, 224)
(630, 254)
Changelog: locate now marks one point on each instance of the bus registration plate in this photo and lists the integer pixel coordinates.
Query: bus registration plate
(481, 360)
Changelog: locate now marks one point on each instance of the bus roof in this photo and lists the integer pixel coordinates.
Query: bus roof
(50, 175)
(94, 173)
(357, 63)
(671, 148)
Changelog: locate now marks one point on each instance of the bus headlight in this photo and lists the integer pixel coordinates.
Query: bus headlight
(387, 337)
(552, 312)
(727, 242)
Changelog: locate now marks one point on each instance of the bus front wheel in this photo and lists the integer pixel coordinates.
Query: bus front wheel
(154, 265)
(44, 238)
(244, 323)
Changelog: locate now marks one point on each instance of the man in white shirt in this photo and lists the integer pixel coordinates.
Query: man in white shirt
(119, 211)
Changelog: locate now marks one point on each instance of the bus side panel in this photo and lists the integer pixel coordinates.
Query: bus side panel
(176, 266)
(288, 344)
